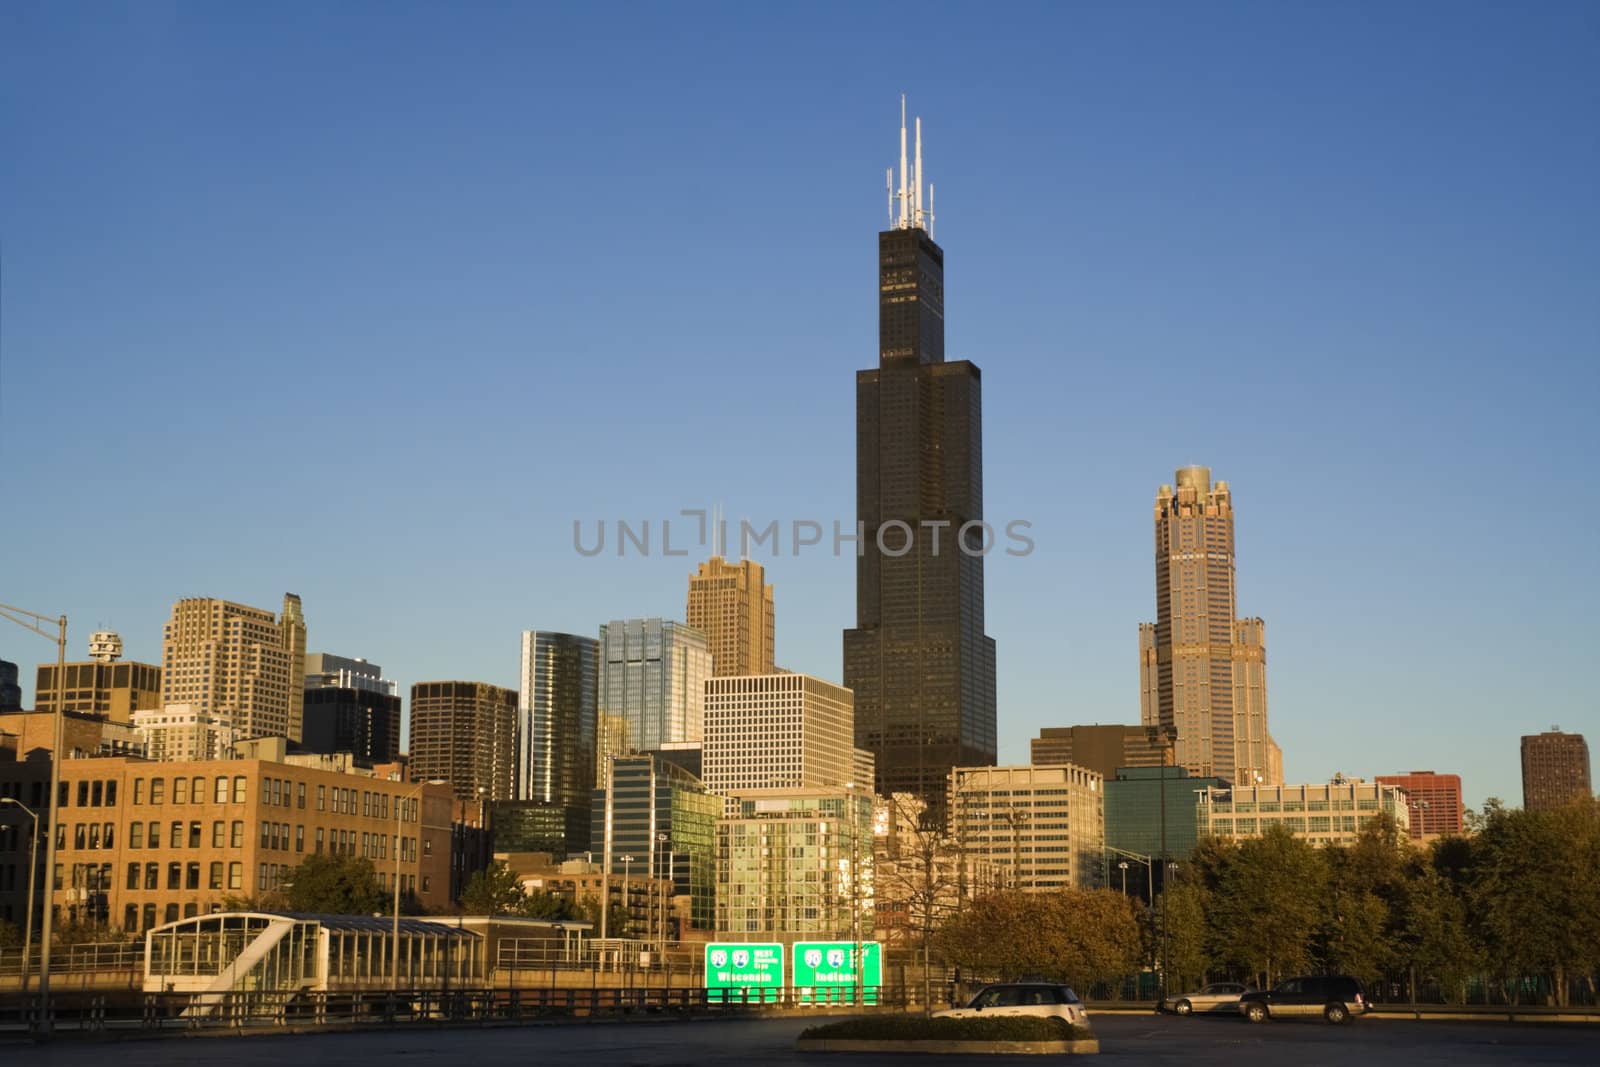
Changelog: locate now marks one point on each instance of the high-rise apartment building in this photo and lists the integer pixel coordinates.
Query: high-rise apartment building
(653, 675)
(1203, 671)
(10, 691)
(795, 865)
(349, 706)
(1331, 814)
(557, 719)
(182, 733)
(246, 663)
(104, 685)
(1042, 826)
(1102, 749)
(918, 660)
(731, 604)
(1434, 801)
(1555, 770)
(466, 734)
(777, 731)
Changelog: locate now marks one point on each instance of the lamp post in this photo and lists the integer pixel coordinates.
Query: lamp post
(1123, 866)
(561, 944)
(33, 871)
(627, 901)
(399, 808)
(32, 620)
(661, 928)
(1167, 737)
(855, 900)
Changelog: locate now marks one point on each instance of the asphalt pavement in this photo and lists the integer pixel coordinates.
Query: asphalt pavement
(1140, 1039)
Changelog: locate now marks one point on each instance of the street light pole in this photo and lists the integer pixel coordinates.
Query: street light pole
(661, 910)
(33, 872)
(627, 901)
(1167, 736)
(32, 620)
(1123, 866)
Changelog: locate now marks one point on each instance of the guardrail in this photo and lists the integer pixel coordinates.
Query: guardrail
(180, 1012)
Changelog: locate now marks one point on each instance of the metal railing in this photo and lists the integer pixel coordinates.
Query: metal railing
(310, 1010)
(103, 956)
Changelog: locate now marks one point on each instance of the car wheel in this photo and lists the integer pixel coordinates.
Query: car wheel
(1336, 1013)
(1184, 1007)
(1256, 1013)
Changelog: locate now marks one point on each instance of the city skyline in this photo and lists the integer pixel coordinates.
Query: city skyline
(1340, 269)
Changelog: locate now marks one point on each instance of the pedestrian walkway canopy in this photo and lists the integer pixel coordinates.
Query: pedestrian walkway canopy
(287, 951)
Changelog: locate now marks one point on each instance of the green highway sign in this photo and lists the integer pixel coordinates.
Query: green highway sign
(737, 967)
(831, 970)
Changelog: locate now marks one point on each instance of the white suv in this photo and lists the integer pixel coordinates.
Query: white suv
(1023, 998)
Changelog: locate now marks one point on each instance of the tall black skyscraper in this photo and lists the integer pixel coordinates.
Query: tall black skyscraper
(918, 660)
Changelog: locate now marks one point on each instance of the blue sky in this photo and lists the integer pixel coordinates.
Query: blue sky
(371, 301)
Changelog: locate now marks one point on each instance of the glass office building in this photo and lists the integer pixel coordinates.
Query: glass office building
(1133, 819)
(653, 678)
(646, 798)
(556, 737)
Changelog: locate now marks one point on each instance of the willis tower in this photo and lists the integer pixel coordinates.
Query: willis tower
(918, 660)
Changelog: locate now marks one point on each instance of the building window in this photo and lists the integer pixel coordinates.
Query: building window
(83, 794)
(180, 790)
(194, 834)
(277, 792)
(300, 795)
(266, 834)
(133, 876)
(158, 791)
(219, 834)
(111, 794)
(152, 876)
(138, 791)
(299, 838)
(130, 918)
(155, 834)
(198, 792)
(239, 788)
(171, 913)
(236, 834)
(79, 836)
(220, 796)
(109, 838)
(261, 881)
(136, 835)
(235, 876)
(174, 876)
(149, 914)
(319, 836)
(176, 840)
(322, 798)
(216, 874)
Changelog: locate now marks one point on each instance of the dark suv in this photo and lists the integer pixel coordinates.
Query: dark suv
(1335, 997)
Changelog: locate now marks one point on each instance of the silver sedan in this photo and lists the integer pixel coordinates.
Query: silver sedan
(1218, 996)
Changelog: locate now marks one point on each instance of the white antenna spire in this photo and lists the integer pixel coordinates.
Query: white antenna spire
(902, 221)
(916, 184)
(907, 209)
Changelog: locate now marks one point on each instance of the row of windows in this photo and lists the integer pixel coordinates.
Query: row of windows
(191, 790)
(184, 876)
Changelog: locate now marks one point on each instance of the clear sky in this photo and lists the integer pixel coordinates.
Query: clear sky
(371, 301)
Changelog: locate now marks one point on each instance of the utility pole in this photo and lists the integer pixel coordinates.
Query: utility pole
(1166, 737)
(32, 620)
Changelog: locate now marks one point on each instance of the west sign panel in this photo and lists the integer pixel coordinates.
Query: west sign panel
(833, 970)
(739, 967)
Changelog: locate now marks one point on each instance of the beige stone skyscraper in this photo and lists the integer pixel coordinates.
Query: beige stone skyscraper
(222, 657)
(1203, 671)
(732, 605)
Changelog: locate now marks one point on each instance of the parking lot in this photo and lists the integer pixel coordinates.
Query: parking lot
(1124, 1038)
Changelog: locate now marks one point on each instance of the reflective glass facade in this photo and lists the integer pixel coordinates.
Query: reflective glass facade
(649, 797)
(653, 677)
(556, 721)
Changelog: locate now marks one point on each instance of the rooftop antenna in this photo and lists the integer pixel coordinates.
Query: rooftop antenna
(916, 182)
(903, 220)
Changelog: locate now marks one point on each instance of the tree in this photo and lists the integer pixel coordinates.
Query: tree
(336, 885)
(1081, 937)
(920, 866)
(1535, 881)
(495, 890)
(543, 904)
(1268, 901)
(1189, 955)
